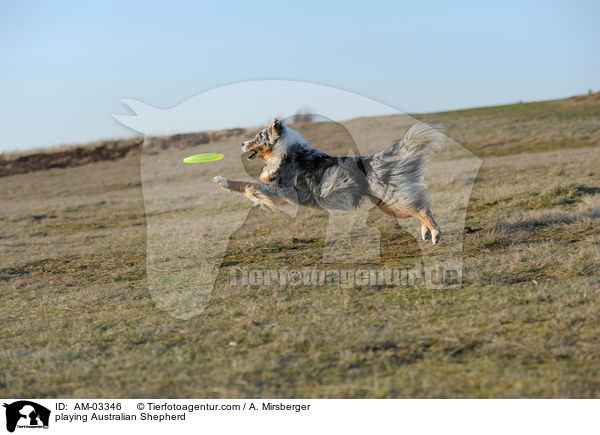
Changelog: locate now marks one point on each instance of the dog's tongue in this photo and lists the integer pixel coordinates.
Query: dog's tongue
(252, 155)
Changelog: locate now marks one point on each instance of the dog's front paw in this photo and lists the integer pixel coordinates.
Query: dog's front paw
(221, 181)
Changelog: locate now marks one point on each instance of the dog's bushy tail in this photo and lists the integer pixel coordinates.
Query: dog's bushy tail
(396, 175)
(422, 139)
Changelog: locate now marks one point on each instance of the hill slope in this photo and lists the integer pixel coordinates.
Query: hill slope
(523, 127)
(78, 318)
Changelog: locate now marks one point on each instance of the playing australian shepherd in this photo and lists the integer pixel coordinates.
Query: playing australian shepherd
(391, 179)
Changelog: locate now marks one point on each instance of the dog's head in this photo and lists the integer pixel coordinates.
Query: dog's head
(265, 141)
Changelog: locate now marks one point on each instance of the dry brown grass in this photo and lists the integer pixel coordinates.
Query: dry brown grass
(77, 318)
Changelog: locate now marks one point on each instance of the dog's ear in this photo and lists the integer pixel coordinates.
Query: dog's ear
(275, 128)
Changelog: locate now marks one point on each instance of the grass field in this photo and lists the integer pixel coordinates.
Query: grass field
(81, 317)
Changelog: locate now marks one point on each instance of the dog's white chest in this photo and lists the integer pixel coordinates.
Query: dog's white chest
(269, 171)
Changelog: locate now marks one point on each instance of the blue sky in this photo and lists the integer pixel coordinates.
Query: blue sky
(65, 66)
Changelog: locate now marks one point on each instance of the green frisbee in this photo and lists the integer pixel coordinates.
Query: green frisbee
(201, 158)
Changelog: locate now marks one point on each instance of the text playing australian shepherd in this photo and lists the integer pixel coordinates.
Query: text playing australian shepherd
(391, 179)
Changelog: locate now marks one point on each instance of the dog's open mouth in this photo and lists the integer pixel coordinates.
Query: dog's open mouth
(252, 154)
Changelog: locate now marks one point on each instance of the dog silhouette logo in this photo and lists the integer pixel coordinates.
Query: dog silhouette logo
(192, 226)
(26, 414)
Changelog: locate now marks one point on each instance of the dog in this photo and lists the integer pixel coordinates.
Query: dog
(391, 179)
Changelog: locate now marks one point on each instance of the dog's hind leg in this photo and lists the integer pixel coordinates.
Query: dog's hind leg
(424, 231)
(429, 223)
